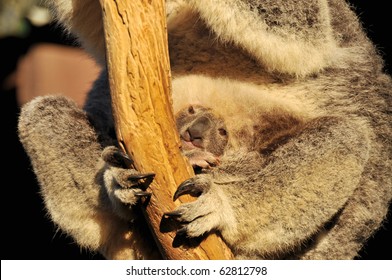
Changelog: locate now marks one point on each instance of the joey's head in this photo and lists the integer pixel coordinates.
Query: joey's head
(201, 129)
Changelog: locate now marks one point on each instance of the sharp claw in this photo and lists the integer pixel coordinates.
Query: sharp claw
(173, 214)
(148, 177)
(142, 194)
(182, 231)
(127, 161)
(187, 187)
(182, 189)
(142, 176)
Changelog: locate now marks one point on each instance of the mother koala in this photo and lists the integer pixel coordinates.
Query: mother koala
(318, 193)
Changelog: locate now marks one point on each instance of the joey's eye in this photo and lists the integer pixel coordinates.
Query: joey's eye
(191, 110)
(222, 131)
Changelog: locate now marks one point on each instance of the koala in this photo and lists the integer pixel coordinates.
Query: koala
(297, 167)
(203, 135)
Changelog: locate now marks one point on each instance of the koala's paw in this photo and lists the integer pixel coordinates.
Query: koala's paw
(125, 183)
(202, 159)
(201, 216)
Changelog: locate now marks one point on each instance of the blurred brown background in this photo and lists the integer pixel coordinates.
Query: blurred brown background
(38, 59)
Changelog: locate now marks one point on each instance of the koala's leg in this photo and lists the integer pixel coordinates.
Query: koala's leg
(66, 159)
(361, 217)
(309, 181)
(270, 206)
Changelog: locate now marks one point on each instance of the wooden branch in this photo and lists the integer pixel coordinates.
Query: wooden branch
(139, 77)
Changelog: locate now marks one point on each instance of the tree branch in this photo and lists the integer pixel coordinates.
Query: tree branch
(139, 78)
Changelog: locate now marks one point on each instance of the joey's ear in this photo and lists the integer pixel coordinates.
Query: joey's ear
(286, 36)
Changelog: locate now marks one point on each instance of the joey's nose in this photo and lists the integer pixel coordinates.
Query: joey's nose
(199, 127)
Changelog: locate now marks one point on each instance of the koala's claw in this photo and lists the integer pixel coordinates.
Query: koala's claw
(173, 214)
(142, 194)
(182, 232)
(147, 177)
(142, 176)
(187, 187)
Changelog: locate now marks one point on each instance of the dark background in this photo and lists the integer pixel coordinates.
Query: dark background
(26, 231)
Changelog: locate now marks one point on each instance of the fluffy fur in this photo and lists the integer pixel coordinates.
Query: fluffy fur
(306, 171)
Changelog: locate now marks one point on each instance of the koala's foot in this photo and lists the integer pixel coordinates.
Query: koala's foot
(203, 215)
(125, 183)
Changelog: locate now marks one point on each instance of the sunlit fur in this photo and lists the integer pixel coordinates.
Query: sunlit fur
(307, 172)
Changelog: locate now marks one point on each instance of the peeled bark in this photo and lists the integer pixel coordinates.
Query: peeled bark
(140, 84)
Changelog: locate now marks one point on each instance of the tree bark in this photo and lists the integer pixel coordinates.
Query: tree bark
(140, 84)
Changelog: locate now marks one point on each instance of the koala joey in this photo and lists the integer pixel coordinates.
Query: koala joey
(283, 109)
(203, 135)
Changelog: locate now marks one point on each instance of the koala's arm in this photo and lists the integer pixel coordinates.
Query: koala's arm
(66, 158)
(268, 205)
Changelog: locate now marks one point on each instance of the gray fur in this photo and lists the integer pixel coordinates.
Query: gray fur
(306, 172)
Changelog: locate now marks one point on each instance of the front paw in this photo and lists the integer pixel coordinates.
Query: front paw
(121, 181)
(201, 216)
(130, 187)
